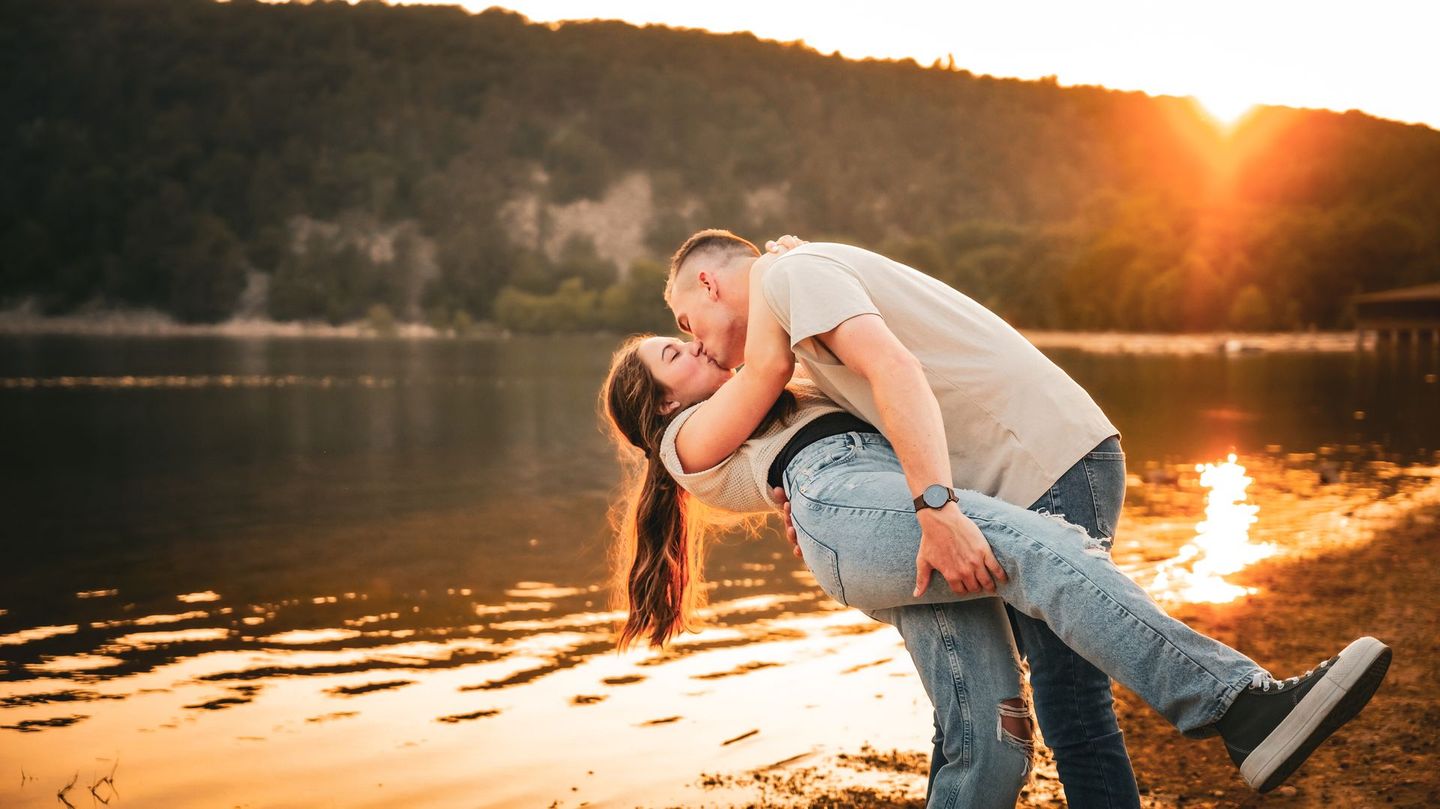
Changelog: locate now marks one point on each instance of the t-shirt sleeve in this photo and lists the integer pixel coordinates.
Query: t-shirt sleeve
(671, 459)
(811, 294)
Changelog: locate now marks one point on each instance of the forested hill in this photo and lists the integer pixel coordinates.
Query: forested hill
(311, 161)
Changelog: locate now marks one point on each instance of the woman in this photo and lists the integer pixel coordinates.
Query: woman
(713, 438)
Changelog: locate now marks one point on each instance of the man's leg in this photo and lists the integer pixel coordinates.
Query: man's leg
(1073, 702)
(937, 751)
(966, 659)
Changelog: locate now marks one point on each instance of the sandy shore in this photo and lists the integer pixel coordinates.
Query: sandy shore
(1312, 606)
(153, 323)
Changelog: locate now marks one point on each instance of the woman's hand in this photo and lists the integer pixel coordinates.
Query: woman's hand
(779, 495)
(783, 244)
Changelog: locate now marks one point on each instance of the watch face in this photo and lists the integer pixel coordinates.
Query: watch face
(936, 496)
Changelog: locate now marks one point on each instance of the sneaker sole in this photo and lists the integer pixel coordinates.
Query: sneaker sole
(1332, 702)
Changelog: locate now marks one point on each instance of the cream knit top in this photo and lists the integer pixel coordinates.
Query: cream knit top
(738, 483)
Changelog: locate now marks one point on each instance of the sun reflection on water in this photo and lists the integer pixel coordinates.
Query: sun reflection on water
(1221, 545)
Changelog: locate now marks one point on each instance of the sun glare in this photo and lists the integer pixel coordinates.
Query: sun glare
(1225, 107)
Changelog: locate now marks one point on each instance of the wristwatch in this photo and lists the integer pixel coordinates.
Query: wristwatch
(935, 495)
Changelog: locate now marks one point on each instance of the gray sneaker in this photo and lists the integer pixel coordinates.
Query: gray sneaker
(1274, 725)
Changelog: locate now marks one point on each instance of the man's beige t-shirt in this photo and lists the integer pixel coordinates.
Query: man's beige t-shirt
(1014, 422)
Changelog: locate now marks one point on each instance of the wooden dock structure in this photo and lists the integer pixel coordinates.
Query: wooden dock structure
(1406, 315)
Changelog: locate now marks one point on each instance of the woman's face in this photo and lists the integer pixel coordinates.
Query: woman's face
(684, 370)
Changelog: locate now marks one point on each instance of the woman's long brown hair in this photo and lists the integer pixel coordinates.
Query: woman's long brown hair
(658, 558)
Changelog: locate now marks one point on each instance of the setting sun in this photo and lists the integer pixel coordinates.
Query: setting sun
(1225, 106)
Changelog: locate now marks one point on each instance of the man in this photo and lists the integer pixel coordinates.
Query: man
(968, 402)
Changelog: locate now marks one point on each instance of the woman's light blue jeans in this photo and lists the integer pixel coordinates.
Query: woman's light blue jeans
(857, 530)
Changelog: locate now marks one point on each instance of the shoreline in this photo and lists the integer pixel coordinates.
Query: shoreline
(1220, 342)
(1386, 756)
(153, 323)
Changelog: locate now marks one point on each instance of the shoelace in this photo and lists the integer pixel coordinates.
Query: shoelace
(1263, 680)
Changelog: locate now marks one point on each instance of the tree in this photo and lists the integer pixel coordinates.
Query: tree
(638, 302)
(1250, 310)
(125, 122)
(207, 272)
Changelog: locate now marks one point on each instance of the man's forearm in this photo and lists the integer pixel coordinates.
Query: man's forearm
(914, 425)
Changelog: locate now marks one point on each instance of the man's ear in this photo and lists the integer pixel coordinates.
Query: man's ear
(706, 280)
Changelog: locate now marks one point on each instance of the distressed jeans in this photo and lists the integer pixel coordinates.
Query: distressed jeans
(1073, 700)
(857, 530)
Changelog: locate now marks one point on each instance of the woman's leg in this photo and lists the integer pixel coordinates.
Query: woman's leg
(859, 534)
(967, 663)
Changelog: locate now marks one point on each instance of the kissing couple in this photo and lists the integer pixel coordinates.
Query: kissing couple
(926, 438)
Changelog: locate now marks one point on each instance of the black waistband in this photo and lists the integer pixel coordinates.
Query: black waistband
(822, 427)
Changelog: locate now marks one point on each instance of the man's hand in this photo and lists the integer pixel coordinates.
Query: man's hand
(910, 418)
(952, 544)
(779, 494)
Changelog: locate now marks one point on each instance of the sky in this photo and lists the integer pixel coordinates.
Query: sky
(1381, 56)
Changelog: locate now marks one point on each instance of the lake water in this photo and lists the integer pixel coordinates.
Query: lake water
(293, 572)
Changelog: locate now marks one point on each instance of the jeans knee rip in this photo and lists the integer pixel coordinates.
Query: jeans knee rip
(1094, 546)
(1014, 727)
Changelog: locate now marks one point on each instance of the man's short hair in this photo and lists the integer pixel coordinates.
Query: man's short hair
(710, 243)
